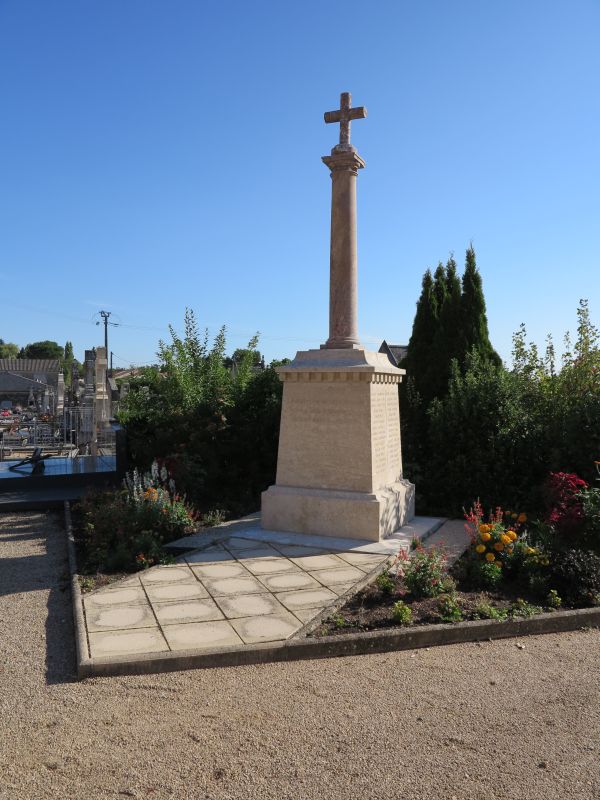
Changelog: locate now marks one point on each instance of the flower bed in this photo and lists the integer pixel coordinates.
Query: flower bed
(512, 569)
(123, 531)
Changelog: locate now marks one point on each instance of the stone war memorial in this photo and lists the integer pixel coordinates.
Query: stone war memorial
(339, 467)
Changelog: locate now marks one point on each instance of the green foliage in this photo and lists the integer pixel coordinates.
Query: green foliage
(553, 599)
(498, 432)
(45, 349)
(575, 575)
(474, 328)
(424, 572)
(385, 583)
(486, 611)
(449, 609)
(401, 613)
(216, 428)
(8, 349)
(124, 530)
(482, 575)
(590, 535)
(521, 608)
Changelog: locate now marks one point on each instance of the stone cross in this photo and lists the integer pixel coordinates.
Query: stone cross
(344, 116)
(344, 163)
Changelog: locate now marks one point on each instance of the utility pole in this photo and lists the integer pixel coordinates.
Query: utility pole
(105, 315)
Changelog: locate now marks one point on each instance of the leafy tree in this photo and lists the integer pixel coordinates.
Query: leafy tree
(215, 428)
(45, 349)
(8, 349)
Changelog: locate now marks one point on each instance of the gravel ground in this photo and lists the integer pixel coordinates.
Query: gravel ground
(467, 721)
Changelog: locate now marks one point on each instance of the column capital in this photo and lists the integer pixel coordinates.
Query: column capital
(344, 160)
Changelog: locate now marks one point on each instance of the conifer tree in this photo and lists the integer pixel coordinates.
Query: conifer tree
(420, 347)
(449, 335)
(475, 335)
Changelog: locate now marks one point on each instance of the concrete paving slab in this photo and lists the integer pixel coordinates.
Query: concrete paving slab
(115, 618)
(306, 598)
(289, 581)
(204, 610)
(237, 543)
(128, 595)
(249, 605)
(224, 569)
(261, 551)
(120, 643)
(272, 628)
(366, 560)
(328, 577)
(268, 566)
(168, 574)
(233, 586)
(209, 556)
(341, 588)
(306, 614)
(328, 561)
(201, 635)
(290, 550)
(162, 592)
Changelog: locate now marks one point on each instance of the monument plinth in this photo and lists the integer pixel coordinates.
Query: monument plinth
(339, 468)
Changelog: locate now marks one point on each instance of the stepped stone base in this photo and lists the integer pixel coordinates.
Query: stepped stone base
(349, 515)
(339, 468)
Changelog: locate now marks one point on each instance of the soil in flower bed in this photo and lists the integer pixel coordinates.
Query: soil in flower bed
(371, 609)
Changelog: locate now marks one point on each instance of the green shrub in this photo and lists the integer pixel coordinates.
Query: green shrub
(449, 608)
(482, 575)
(521, 608)
(401, 613)
(216, 427)
(553, 599)
(124, 530)
(496, 433)
(385, 583)
(425, 572)
(575, 574)
(487, 611)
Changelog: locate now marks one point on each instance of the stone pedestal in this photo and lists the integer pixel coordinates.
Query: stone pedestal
(339, 468)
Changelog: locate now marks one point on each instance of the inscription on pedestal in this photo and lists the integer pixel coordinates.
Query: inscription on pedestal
(385, 434)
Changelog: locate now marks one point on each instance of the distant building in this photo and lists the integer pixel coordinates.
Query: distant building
(396, 353)
(32, 383)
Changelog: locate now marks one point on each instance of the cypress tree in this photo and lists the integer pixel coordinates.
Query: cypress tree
(448, 339)
(420, 346)
(474, 325)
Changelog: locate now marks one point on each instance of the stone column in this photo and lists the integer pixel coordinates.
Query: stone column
(344, 163)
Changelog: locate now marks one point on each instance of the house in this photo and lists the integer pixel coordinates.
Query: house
(32, 383)
(396, 353)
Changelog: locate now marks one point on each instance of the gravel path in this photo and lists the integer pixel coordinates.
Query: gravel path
(467, 721)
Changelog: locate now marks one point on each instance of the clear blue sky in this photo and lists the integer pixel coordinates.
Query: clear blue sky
(158, 155)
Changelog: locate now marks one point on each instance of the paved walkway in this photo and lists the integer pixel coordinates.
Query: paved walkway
(238, 590)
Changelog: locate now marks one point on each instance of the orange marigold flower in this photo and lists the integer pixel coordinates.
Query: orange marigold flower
(512, 536)
(522, 517)
(489, 557)
(485, 537)
(499, 547)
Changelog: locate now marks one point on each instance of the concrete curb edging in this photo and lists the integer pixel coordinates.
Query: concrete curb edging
(81, 640)
(343, 645)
